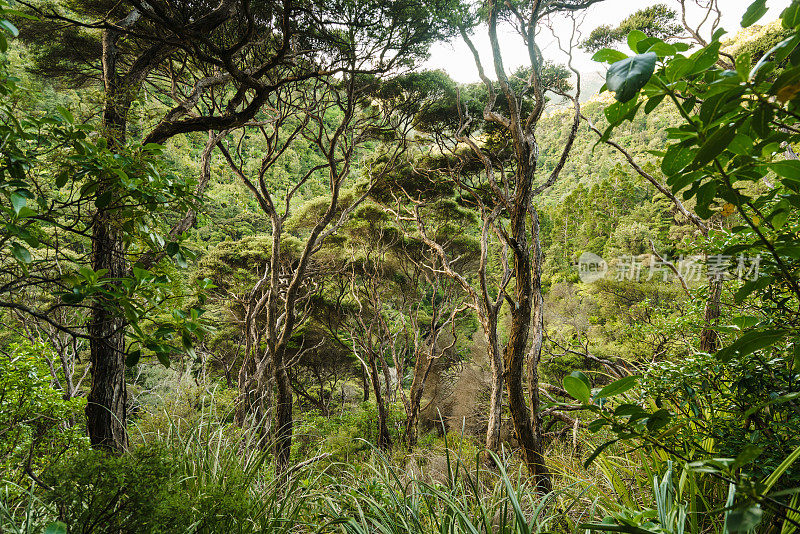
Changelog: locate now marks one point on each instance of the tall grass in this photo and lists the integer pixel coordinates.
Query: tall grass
(221, 481)
(376, 495)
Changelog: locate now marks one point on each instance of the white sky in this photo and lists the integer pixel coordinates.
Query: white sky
(456, 59)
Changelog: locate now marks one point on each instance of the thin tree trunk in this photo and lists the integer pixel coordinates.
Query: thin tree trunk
(365, 383)
(283, 416)
(384, 440)
(387, 378)
(422, 367)
(709, 338)
(496, 393)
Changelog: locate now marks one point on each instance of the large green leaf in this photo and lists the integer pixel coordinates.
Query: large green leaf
(704, 58)
(21, 253)
(18, 202)
(754, 13)
(744, 519)
(8, 27)
(577, 388)
(714, 145)
(625, 78)
(787, 169)
(57, 527)
(608, 55)
(618, 387)
(791, 15)
(751, 342)
(678, 156)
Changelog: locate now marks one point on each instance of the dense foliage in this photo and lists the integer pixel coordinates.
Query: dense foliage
(345, 294)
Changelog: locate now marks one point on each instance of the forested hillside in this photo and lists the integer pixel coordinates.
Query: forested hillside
(262, 271)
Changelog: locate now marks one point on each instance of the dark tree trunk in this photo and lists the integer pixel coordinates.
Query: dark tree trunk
(106, 404)
(283, 417)
(526, 291)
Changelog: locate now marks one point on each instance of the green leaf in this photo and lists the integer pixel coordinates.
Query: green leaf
(104, 199)
(608, 55)
(596, 425)
(762, 120)
(133, 358)
(750, 286)
(658, 420)
(780, 470)
(626, 77)
(750, 343)
(704, 59)
(787, 169)
(628, 409)
(180, 261)
(18, 202)
(677, 158)
(777, 400)
(677, 68)
(743, 520)
(618, 387)
(634, 37)
(10, 28)
(577, 388)
(743, 64)
(741, 145)
(583, 378)
(61, 179)
(661, 48)
(714, 145)
(56, 527)
(754, 13)
(620, 111)
(653, 103)
(67, 114)
(163, 357)
(748, 454)
(790, 18)
(597, 452)
(21, 253)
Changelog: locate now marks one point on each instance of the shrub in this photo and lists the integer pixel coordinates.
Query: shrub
(36, 424)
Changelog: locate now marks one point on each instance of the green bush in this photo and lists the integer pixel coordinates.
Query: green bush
(36, 424)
